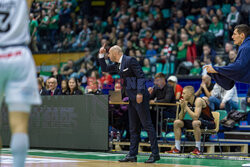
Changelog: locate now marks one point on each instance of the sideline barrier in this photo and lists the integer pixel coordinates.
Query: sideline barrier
(66, 122)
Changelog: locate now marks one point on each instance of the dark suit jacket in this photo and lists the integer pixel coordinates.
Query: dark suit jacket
(44, 92)
(164, 95)
(56, 92)
(132, 75)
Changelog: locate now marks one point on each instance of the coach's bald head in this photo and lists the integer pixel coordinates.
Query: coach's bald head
(115, 53)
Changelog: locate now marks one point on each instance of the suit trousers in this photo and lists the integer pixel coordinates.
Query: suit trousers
(139, 114)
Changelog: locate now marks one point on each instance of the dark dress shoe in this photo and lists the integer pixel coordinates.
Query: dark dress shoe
(153, 158)
(129, 158)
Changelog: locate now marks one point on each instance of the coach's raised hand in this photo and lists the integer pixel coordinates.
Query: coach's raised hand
(102, 49)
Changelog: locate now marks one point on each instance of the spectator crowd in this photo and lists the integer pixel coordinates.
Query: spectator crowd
(167, 37)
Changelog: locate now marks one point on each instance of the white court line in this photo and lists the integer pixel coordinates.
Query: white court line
(30, 160)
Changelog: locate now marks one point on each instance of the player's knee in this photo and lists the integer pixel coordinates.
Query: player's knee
(196, 124)
(178, 123)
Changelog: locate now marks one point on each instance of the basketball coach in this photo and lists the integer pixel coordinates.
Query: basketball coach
(134, 87)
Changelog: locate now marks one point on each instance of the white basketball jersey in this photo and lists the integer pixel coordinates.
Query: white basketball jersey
(14, 22)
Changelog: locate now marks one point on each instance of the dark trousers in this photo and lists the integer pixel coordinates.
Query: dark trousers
(139, 114)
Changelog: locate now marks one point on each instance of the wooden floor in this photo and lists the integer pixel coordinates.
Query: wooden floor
(66, 158)
(37, 161)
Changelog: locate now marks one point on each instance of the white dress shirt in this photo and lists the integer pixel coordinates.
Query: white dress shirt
(120, 61)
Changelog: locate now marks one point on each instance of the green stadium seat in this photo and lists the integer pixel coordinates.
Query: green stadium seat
(248, 109)
(239, 103)
(226, 8)
(154, 13)
(170, 135)
(144, 135)
(116, 76)
(104, 23)
(124, 134)
(165, 13)
(241, 110)
(223, 113)
(217, 7)
(191, 17)
(166, 69)
(158, 67)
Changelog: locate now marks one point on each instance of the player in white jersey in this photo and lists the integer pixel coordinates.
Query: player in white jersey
(17, 74)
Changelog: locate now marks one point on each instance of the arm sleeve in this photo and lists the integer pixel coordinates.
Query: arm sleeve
(239, 69)
(153, 95)
(107, 68)
(136, 68)
(168, 97)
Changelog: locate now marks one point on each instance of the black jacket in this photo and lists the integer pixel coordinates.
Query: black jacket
(56, 92)
(132, 75)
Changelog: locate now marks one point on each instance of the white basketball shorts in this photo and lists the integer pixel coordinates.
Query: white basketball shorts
(18, 77)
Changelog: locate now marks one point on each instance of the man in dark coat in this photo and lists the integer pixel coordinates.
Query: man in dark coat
(239, 70)
(134, 87)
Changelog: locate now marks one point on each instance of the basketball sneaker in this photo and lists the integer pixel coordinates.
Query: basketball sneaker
(174, 151)
(196, 151)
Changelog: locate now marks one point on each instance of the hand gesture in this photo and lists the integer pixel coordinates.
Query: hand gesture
(203, 85)
(150, 90)
(102, 49)
(183, 103)
(209, 69)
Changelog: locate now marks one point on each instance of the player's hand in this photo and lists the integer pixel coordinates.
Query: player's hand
(139, 98)
(222, 105)
(209, 69)
(150, 90)
(203, 85)
(102, 49)
(183, 103)
(151, 101)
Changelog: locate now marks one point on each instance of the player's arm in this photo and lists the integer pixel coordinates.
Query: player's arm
(182, 113)
(104, 66)
(29, 3)
(197, 112)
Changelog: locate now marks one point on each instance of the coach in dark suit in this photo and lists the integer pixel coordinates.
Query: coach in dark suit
(134, 87)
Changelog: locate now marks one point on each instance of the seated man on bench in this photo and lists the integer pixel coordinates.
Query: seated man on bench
(201, 115)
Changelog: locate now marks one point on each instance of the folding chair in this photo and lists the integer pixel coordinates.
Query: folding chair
(205, 132)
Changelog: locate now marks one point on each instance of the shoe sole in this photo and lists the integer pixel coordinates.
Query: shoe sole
(151, 162)
(127, 161)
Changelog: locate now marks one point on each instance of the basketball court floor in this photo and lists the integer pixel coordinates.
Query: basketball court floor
(50, 158)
